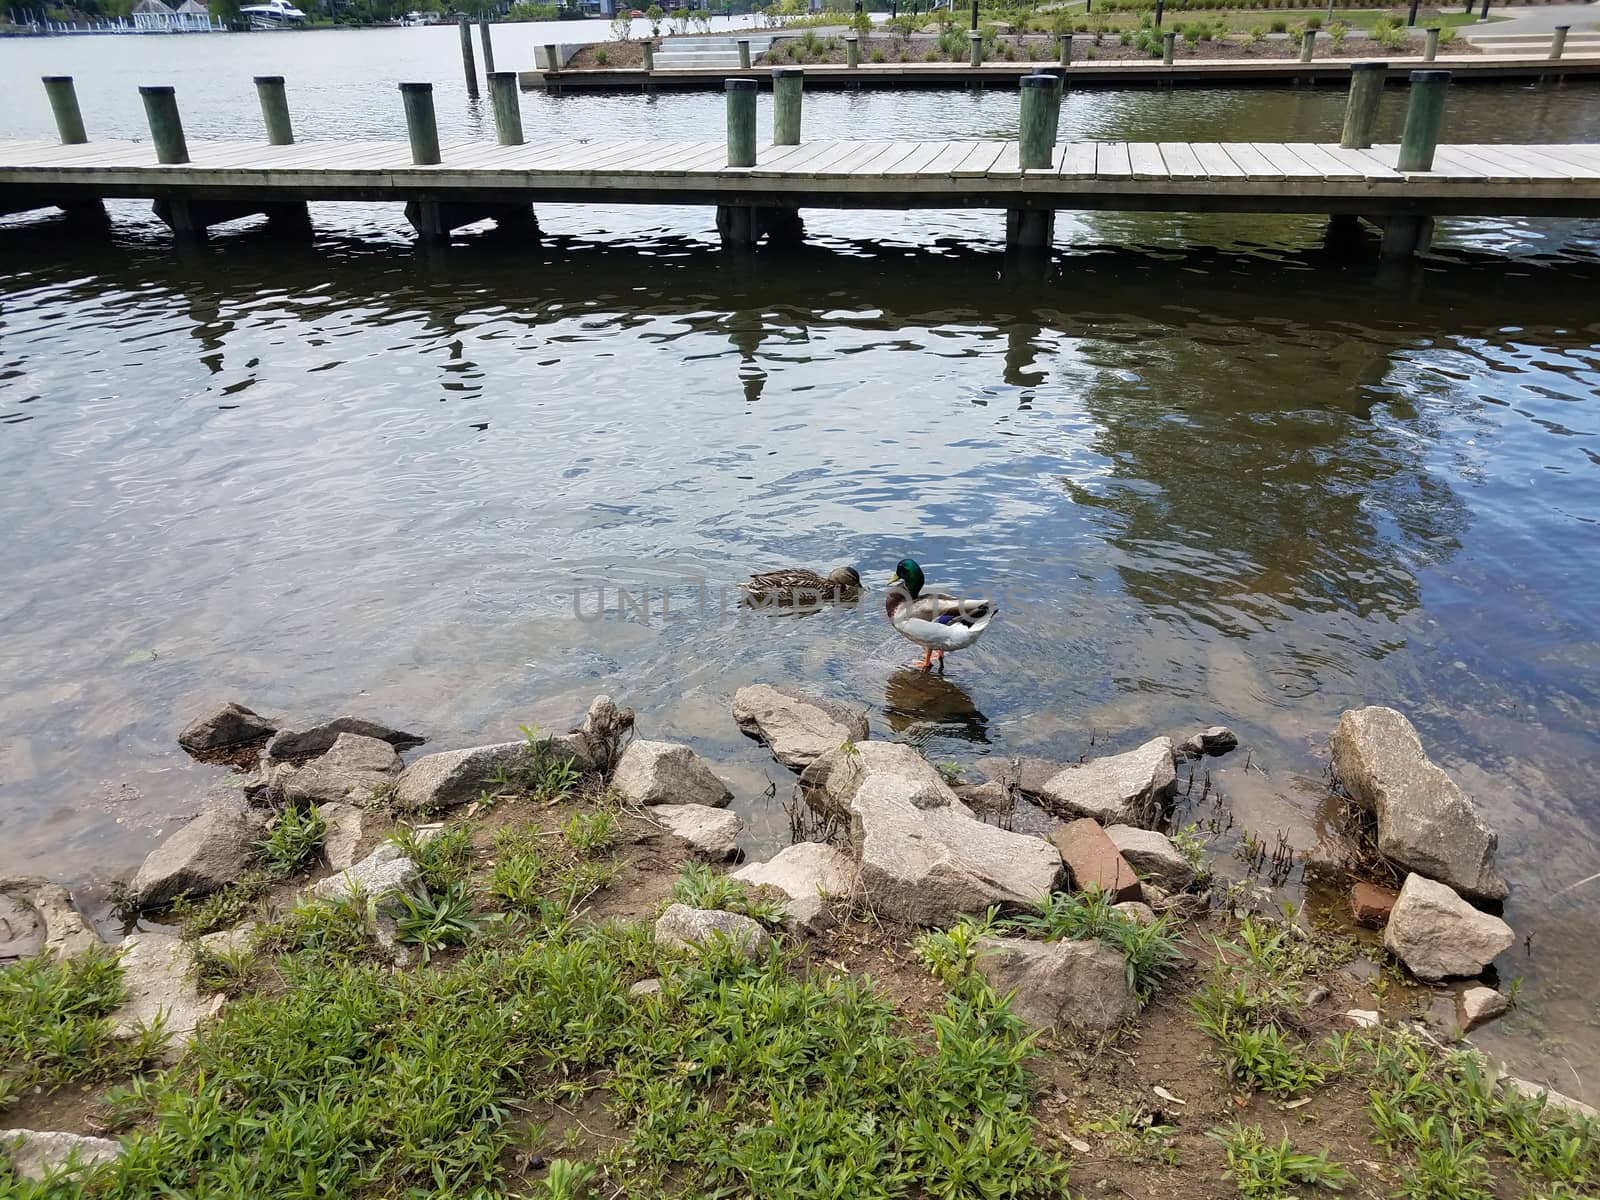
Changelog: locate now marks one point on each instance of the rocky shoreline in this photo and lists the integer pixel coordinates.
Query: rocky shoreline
(332, 815)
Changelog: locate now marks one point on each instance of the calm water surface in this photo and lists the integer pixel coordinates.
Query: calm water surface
(1215, 473)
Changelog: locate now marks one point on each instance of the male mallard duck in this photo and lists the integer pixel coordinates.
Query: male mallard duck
(796, 585)
(940, 622)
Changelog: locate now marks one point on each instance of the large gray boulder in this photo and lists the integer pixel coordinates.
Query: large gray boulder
(206, 855)
(290, 745)
(351, 770)
(1121, 789)
(67, 933)
(347, 829)
(385, 876)
(1153, 855)
(797, 727)
(686, 928)
(34, 1154)
(1426, 823)
(158, 970)
(923, 857)
(667, 773)
(440, 781)
(710, 833)
(1438, 935)
(223, 728)
(1081, 985)
(808, 875)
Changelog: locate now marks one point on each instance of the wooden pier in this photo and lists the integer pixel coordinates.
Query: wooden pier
(759, 188)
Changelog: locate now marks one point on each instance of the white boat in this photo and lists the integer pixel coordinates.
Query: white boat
(420, 18)
(274, 14)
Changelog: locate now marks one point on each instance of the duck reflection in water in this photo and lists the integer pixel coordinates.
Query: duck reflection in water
(923, 708)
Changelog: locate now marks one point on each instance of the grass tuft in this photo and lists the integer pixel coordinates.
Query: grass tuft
(1262, 1170)
(294, 840)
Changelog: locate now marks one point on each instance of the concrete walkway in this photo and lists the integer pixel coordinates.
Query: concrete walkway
(1534, 18)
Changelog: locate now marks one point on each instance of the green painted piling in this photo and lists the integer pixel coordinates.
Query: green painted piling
(275, 110)
(1558, 40)
(421, 126)
(1424, 118)
(468, 66)
(1430, 44)
(504, 95)
(1058, 80)
(166, 127)
(1033, 131)
(1361, 110)
(488, 48)
(788, 92)
(1066, 50)
(741, 95)
(64, 104)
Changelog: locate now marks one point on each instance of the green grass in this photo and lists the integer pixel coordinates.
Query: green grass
(1262, 1170)
(438, 920)
(294, 840)
(700, 887)
(445, 859)
(1150, 951)
(222, 909)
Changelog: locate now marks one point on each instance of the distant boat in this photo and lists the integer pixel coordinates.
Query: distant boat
(420, 18)
(274, 14)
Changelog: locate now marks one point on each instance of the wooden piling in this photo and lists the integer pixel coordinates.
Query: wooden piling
(1424, 117)
(1558, 40)
(505, 96)
(788, 92)
(744, 54)
(467, 64)
(1033, 131)
(488, 48)
(1430, 45)
(852, 51)
(64, 104)
(1058, 80)
(166, 127)
(1168, 47)
(1066, 50)
(552, 59)
(1361, 111)
(649, 48)
(421, 126)
(741, 94)
(974, 44)
(275, 110)
(1308, 45)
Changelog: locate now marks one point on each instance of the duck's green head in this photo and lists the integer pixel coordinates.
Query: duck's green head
(907, 572)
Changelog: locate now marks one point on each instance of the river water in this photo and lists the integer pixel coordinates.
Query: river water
(1215, 474)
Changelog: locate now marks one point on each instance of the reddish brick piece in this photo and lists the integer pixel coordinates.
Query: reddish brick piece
(1371, 904)
(1095, 861)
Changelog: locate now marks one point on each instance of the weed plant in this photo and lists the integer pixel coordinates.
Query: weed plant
(1262, 1170)
(294, 840)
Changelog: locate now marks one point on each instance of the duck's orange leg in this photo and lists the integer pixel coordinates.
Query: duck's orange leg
(927, 659)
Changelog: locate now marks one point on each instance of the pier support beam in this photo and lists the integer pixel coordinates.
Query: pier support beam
(191, 220)
(1405, 236)
(436, 220)
(1030, 228)
(741, 226)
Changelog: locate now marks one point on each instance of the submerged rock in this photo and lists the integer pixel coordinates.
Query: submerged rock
(439, 781)
(67, 932)
(159, 972)
(1480, 1005)
(34, 1154)
(1082, 985)
(1425, 822)
(1216, 740)
(692, 928)
(289, 745)
(797, 727)
(1370, 904)
(1121, 789)
(353, 767)
(924, 857)
(384, 876)
(711, 833)
(206, 855)
(1438, 935)
(223, 728)
(668, 773)
(1153, 855)
(1094, 860)
(808, 874)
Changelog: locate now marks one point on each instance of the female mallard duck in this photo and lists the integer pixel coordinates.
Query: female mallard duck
(939, 622)
(796, 585)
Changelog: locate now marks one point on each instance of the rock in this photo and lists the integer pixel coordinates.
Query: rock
(688, 928)
(1441, 1017)
(440, 781)
(289, 745)
(1095, 861)
(602, 733)
(224, 727)
(983, 798)
(385, 875)
(1480, 1005)
(646, 987)
(1371, 904)
(1363, 1018)
(1317, 995)
(159, 972)
(206, 855)
(924, 857)
(346, 827)
(226, 940)
(1153, 856)
(712, 833)
(1217, 740)
(1123, 789)
(667, 773)
(67, 933)
(33, 1154)
(1425, 822)
(1083, 985)
(22, 930)
(797, 727)
(1554, 1102)
(1137, 911)
(808, 875)
(1027, 775)
(1438, 935)
(352, 769)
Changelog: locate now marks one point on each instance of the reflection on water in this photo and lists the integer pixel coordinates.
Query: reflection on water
(1211, 472)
